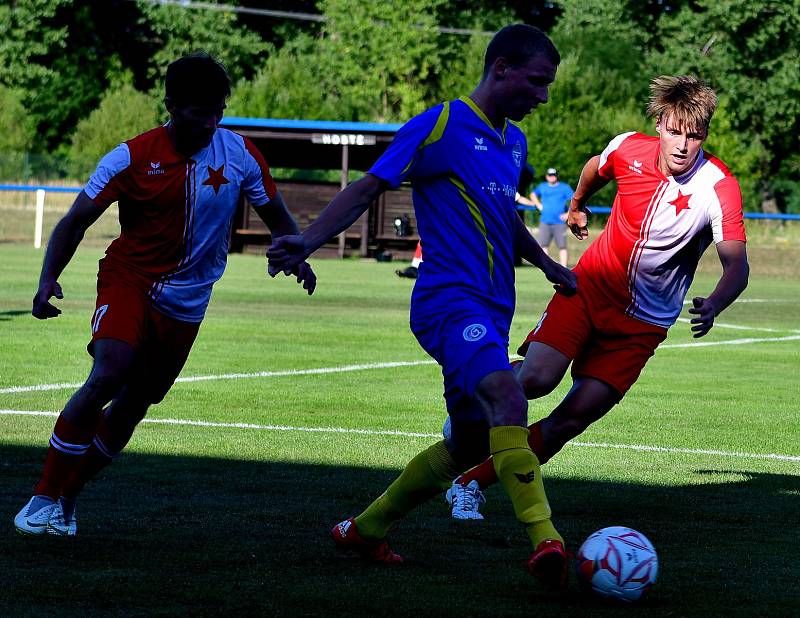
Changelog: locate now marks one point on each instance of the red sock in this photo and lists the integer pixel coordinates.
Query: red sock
(97, 457)
(485, 473)
(536, 442)
(67, 444)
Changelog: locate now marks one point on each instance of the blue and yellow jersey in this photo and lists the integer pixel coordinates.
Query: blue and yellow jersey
(464, 174)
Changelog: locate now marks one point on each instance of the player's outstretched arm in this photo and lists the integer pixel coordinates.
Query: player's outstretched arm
(590, 183)
(281, 223)
(563, 279)
(62, 245)
(735, 274)
(348, 205)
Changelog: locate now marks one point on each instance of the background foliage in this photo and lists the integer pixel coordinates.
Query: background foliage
(77, 77)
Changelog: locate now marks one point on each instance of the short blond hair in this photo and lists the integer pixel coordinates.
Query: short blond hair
(687, 100)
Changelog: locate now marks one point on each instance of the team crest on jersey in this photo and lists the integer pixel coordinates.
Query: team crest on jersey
(516, 152)
(474, 332)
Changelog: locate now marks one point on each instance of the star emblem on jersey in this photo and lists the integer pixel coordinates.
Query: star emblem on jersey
(216, 178)
(681, 203)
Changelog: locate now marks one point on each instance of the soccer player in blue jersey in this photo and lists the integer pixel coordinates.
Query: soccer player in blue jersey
(463, 159)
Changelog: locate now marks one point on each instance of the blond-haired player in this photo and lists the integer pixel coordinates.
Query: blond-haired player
(673, 200)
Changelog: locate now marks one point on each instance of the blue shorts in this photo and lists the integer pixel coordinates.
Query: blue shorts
(469, 344)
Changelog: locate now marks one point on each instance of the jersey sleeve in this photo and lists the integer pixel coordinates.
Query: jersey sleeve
(607, 157)
(406, 158)
(105, 185)
(727, 222)
(538, 190)
(258, 186)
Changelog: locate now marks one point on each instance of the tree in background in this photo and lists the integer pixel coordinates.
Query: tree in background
(123, 113)
(16, 137)
(749, 51)
(379, 58)
(288, 85)
(175, 31)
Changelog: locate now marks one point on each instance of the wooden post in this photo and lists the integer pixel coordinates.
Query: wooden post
(343, 184)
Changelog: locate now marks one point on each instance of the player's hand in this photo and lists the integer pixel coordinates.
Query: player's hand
(578, 221)
(705, 312)
(286, 254)
(563, 279)
(42, 309)
(306, 276)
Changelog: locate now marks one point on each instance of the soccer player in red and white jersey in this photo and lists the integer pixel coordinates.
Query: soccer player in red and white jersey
(177, 187)
(673, 200)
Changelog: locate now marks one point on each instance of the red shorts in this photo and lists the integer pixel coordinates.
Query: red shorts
(600, 340)
(123, 311)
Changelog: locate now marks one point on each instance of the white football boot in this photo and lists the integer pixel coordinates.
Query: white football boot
(33, 518)
(465, 500)
(58, 525)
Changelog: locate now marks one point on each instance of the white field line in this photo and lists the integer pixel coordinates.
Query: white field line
(702, 344)
(753, 300)
(761, 329)
(408, 434)
(238, 376)
(348, 368)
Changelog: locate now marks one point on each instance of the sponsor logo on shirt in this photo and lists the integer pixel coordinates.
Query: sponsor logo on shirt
(636, 167)
(507, 190)
(517, 153)
(155, 169)
(479, 144)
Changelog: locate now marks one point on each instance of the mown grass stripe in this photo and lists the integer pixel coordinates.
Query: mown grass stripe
(411, 434)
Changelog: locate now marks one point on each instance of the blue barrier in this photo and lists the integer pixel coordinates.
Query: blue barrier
(42, 187)
(605, 210)
(599, 210)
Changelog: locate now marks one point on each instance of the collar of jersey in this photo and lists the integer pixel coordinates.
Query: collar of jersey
(687, 175)
(479, 113)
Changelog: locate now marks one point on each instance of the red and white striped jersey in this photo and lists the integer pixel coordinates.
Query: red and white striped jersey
(659, 226)
(175, 212)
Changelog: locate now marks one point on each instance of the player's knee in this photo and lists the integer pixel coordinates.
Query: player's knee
(570, 426)
(102, 386)
(537, 384)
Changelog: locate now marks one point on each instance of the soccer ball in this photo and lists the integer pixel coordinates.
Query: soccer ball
(617, 563)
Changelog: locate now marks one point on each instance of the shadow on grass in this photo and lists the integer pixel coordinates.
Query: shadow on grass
(172, 535)
(6, 316)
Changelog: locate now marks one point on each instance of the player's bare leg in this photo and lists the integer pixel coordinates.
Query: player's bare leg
(148, 382)
(587, 401)
(562, 257)
(540, 373)
(72, 436)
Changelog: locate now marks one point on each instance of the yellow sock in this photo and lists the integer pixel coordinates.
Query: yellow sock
(518, 471)
(428, 474)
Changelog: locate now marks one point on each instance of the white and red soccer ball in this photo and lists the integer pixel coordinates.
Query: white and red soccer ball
(617, 563)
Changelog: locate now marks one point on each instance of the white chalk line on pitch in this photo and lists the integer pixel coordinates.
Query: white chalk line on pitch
(388, 365)
(761, 329)
(239, 376)
(409, 434)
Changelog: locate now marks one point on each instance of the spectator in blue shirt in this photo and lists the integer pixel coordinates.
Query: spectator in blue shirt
(552, 199)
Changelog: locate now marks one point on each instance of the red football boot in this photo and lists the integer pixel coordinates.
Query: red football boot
(549, 564)
(345, 535)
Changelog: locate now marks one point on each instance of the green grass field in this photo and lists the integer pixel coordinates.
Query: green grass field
(232, 513)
